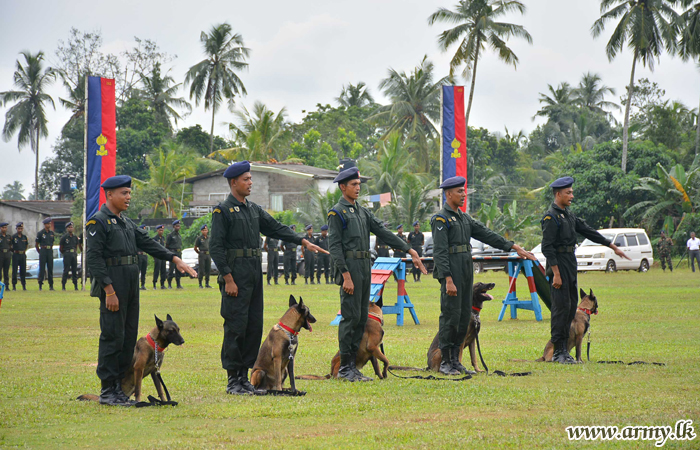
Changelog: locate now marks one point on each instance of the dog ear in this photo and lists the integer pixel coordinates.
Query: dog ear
(169, 318)
(300, 306)
(159, 323)
(582, 293)
(380, 302)
(590, 293)
(292, 301)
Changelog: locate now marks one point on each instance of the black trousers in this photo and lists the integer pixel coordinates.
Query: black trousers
(323, 266)
(119, 329)
(143, 268)
(273, 263)
(159, 270)
(309, 264)
(19, 267)
(204, 268)
(290, 265)
(564, 299)
(415, 271)
(5, 263)
(456, 312)
(46, 265)
(70, 264)
(243, 315)
(172, 270)
(354, 308)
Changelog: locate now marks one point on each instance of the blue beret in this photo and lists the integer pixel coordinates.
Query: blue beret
(386, 224)
(3, 224)
(69, 224)
(352, 173)
(160, 226)
(453, 182)
(47, 220)
(202, 227)
(324, 227)
(293, 227)
(19, 224)
(143, 227)
(416, 223)
(399, 226)
(308, 227)
(117, 182)
(563, 182)
(176, 222)
(237, 169)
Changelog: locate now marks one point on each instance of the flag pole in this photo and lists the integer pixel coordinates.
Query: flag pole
(442, 107)
(85, 147)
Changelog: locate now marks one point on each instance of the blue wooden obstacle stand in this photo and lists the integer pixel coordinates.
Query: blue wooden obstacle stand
(515, 266)
(382, 270)
(2, 291)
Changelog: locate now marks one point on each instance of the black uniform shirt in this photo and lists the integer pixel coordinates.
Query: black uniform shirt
(45, 238)
(202, 243)
(416, 239)
(174, 241)
(289, 247)
(19, 243)
(272, 245)
(5, 241)
(69, 242)
(322, 242)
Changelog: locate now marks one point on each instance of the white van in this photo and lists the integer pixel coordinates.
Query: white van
(633, 241)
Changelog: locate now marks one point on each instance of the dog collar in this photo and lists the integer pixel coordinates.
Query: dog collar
(153, 344)
(375, 317)
(475, 309)
(287, 329)
(587, 311)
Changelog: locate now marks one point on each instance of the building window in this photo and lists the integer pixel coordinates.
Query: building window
(276, 202)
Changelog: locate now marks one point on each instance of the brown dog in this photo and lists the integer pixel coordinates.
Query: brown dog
(479, 296)
(370, 346)
(276, 357)
(148, 359)
(579, 327)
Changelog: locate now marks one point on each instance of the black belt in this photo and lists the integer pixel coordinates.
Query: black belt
(175, 250)
(204, 252)
(244, 252)
(21, 252)
(272, 249)
(460, 248)
(357, 254)
(382, 246)
(566, 249)
(69, 250)
(122, 260)
(5, 250)
(44, 247)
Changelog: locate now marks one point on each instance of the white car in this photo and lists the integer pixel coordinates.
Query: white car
(633, 241)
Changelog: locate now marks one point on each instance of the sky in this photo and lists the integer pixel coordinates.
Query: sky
(303, 52)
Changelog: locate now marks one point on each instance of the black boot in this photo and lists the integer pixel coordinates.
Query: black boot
(306, 281)
(155, 286)
(200, 286)
(312, 280)
(268, 282)
(179, 286)
(560, 354)
(286, 281)
(40, 286)
(143, 286)
(24, 286)
(234, 384)
(63, 286)
(318, 280)
(458, 366)
(345, 372)
(243, 379)
(170, 284)
(121, 396)
(14, 287)
(76, 286)
(276, 283)
(207, 286)
(293, 281)
(446, 364)
(112, 394)
(358, 374)
(51, 287)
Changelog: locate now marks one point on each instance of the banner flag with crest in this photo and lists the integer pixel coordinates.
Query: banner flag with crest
(101, 140)
(454, 135)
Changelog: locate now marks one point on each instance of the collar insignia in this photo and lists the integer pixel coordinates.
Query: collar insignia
(352, 210)
(236, 208)
(345, 212)
(230, 209)
(114, 221)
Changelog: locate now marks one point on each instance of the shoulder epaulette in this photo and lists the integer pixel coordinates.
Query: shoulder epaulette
(550, 215)
(441, 218)
(335, 212)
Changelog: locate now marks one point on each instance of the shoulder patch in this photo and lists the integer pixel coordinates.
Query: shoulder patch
(90, 222)
(217, 210)
(547, 217)
(331, 213)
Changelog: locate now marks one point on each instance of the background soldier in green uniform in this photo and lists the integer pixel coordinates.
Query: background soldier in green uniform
(349, 226)
(159, 269)
(309, 256)
(559, 228)
(400, 235)
(113, 240)
(416, 239)
(235, 247)
(174, 243)
(323, 262)
(5, 254)
(143, 263)
(452, 232)
(665, 245)
(201, 246)
(290, 259)
(380, 246)
(273, 258)
(69, 245)
(44, 246)
(20, 242)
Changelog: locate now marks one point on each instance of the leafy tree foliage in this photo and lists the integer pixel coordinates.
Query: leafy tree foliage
(13, 191)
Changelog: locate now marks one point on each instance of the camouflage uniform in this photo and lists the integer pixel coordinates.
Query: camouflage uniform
(665, 245)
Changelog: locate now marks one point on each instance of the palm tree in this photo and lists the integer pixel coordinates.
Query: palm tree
(76, 96)
(559, 105)
(214, 78)
(590, 94)
(14, 191)
(411, 200)
(355, 95)
(27, 117)
(415, 104)
(393, 163)
(168, 167)
(315, 209)
(647, 26)
(476, 28)
(160, 92)
(689, 45)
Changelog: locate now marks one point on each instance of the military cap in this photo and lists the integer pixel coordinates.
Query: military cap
(324, 227)
(117, 181)
(416, 223)
(293, 227)
(176, 222)
(19, 224)
(453, 182)
(386, 224)
(563, 182)
(143, 227)
(352, 173)
(47, 220)
(202, 227)
(69, 224)
(3, 224)
(308, 227)
(399, 226)
(160, 226)
(237, 169)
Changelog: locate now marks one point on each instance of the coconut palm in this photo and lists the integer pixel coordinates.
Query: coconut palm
(355, 95)
(393, 163)
(168, 167)
(411, 201)
(590, 94)
(13, 191)
(646, 26)
(160, 92)
(76, 96)
(689, 44)
(559, 105)
(315, 209)
(214, 78)
(27, 117)
(477, 27)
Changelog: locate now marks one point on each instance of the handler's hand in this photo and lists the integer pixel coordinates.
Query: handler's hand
(182, 267)
(111, 300)
(348, 285)
(556, 281)
(313, 247)
(524, 254)
(231, 287)
(619, 252)
(450, 287)
(417, 262)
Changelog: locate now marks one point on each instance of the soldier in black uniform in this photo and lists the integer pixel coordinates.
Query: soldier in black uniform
(5, 254)
(69, 245)
(113, 240)
(174, 244)
(271, 246)
(159, 269)
(309, 256)
(290, 259)
(323, 262)
(559, 228)
(143, 262)
(416, 239)
(201, 246)
(399, 234)
(44, 246)
(380, 246)
(20, 242)
(235, 248)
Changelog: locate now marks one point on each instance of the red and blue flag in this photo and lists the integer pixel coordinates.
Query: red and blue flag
(101, 141)
(454, 134)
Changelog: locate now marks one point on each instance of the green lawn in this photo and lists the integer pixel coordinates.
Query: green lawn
(48, 351)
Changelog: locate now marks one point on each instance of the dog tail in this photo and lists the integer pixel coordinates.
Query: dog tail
(312, 377)
(89, 398)
(407, 368)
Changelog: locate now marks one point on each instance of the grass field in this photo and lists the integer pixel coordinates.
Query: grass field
(48, 352)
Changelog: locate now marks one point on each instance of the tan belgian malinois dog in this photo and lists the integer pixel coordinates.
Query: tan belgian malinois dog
(276, 357)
